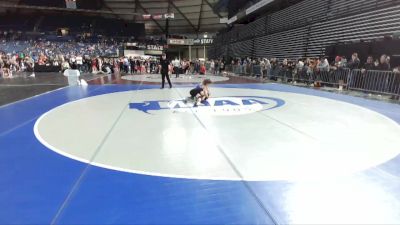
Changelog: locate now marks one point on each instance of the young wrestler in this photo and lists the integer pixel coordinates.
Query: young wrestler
(201, 92)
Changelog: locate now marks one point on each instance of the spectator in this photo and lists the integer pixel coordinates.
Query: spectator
(72, 60)
(186, 66)
(396, 83)
(132, 65)
(396, 70)
(369, 65)
(73, 75)
(376, 64)
(354, 63)
(126, 64)
(262, 68)
(221, 67)
(299, 69)
(217, 65)
(79, 62)
(245, 66)
(212, 67)
(64, 66)
(203, 69)
(176, 63)
(139, 63)
(94, 65)
(336, 64)
(383, 63)
(323, 65)
(388, 61)
(343, 62)
(267, 67)
(300, 65)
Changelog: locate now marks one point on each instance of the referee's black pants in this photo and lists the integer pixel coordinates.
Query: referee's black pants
(165, 75)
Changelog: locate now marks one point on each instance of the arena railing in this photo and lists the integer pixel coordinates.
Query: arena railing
(373, 81)
(335, 77)
(244, 70)
(370, 81)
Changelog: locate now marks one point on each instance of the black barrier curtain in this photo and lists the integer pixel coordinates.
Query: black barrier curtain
(48, 3)
(365, 49)
(48, 69)
(389, 47)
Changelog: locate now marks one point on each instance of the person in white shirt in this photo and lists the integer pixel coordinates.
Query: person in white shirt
(79, 62)
(176, 63)
(72, 60)
(73, 75)
(126, 65)
(64, 65)
(323, 65)
(262, 68)
(212, 67)
(100, 62)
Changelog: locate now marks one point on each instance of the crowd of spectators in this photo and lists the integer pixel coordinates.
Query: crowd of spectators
(138, 65)
(312, 65)
(374, 74)
(19, 54)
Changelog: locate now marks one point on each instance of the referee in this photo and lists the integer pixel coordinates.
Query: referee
(164, 64)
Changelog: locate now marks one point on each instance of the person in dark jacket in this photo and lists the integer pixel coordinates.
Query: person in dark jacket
(132, 64)
(354, 63)
(369, 65)
(383, 64)
(164, 68)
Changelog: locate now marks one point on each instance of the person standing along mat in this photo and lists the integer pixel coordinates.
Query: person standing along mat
(177, 66)
(164, 67)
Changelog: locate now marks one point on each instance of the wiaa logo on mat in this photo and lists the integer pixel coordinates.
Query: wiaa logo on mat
(234, 105)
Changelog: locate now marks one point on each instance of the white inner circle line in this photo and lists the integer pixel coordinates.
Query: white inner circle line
(267, 145)
(83, 174)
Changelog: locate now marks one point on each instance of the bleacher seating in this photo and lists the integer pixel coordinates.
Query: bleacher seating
(365, 26)
(281, 45)
(308, 27)
(253, 29)
(242, 49)
(13, 46)
(298, 15)
(346, 7)
(34, 47)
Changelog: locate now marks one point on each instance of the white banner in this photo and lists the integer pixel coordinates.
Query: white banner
(180, 41)
(131, 44)
(169, 16)
(133, 53)
(155, 47)
(205, 41)
(233, 19)
(70, 4)
(146, 16)
(223, 20)
(257, 6)
(157, 17)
